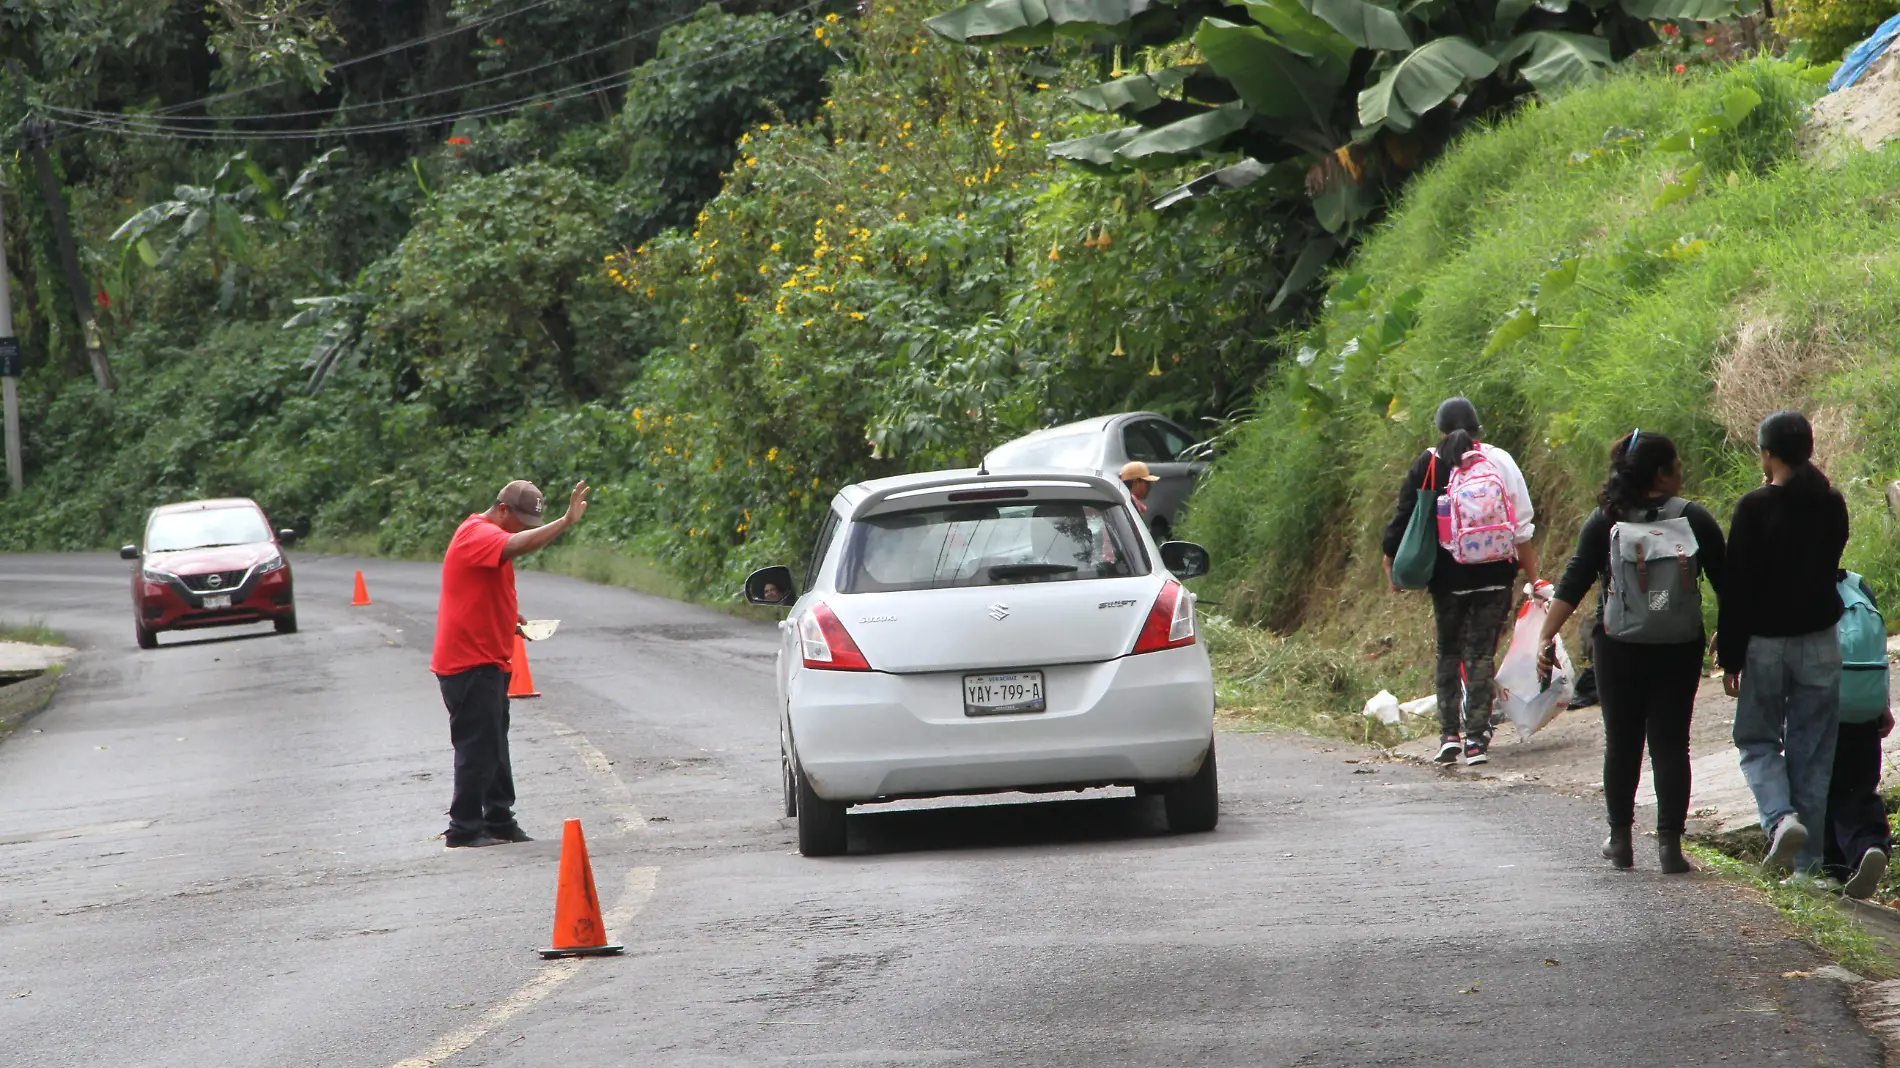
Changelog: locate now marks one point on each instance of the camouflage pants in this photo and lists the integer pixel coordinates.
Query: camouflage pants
(1469, 625)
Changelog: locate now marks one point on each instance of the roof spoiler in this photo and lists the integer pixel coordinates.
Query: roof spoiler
(1095, 485)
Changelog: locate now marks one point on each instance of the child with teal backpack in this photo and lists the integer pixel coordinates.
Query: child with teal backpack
(1859, 841)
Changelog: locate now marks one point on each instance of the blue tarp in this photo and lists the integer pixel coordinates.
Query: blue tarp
(1864, 54)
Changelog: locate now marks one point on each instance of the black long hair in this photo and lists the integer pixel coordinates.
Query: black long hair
(1635, 461)
(1788, 437)
(1457, 419)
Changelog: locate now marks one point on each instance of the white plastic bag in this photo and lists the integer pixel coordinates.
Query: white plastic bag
(1526, 700)
(1383, 707)
(1424, 706)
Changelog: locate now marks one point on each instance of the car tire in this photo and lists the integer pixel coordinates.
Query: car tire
(789, 778)
(1194, 805)
(820, 822)
(148, 639)
(286, 624)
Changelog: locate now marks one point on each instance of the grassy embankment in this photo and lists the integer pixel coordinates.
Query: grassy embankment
(1775, 282)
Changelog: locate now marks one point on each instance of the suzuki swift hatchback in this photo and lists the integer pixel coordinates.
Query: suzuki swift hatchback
(210, 564)
(966, 632)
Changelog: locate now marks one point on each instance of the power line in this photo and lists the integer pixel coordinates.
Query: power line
(387, 102)
(623, 79)
(427, 38)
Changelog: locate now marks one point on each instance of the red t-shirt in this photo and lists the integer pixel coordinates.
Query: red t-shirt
(475, 624)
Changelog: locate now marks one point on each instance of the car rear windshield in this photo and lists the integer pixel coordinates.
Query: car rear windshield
(197, 530)
(1062, 451)
(991, 545)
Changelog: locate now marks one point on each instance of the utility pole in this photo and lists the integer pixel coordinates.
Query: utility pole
(9, 365)
(90, 342)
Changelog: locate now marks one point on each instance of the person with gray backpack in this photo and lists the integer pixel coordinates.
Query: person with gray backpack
(1652, 549)
(1777, 642)
(1859, 840)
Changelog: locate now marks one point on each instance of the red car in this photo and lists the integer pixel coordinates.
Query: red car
(210, 564)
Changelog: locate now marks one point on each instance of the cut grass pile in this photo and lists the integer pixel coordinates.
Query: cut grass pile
(1773, 282)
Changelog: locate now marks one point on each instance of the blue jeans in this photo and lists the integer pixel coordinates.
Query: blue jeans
(1785, 726)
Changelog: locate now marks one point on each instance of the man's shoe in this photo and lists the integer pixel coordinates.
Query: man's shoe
(1669, 855)
(511, 834)
(1450, 747)
(1475, 752)
(476, 842)
(1867, 876)
(1618, 850)
(1787, 840)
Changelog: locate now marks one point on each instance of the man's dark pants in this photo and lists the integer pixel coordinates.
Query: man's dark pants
(1856, 817)
(484, 799)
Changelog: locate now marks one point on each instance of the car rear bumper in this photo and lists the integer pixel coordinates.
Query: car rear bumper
(172, 606)
(864, 736)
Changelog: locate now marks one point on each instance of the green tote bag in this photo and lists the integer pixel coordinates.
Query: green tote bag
(1418, 551)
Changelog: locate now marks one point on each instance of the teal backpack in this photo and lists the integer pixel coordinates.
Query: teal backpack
(1863, 634)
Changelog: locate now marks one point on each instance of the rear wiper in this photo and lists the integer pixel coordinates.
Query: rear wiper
(1009, 571)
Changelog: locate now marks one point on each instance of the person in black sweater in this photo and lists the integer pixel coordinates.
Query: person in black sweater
(1647, 690)
(1470, 602)
(1776, 639)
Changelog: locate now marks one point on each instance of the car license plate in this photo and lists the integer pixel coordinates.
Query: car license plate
(1000, 695)
(217, 600)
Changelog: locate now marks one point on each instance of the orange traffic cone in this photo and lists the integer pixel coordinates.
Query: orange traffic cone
(362, 593)
(578, 930)
(520, 679)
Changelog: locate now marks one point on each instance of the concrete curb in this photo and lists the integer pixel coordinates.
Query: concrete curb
(22, 700)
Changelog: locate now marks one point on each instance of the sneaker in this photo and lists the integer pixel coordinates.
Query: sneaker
(476, 842)
(1449, 747)
(1867, 876)
(1475, 751)
(510, 834)
(1787, 840)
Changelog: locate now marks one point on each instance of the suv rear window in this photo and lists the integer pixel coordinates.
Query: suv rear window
(991, 545)
(1062, 450)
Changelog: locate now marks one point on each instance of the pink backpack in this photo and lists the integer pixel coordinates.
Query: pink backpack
(1477, 522)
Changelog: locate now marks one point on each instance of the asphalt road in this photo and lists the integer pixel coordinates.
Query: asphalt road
(221, 852)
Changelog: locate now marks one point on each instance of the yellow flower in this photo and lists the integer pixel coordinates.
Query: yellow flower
(762, 126)
(818, 32)
(883, 168)
(832, 18)
(771, 454)
(774, 246)
(859, 316)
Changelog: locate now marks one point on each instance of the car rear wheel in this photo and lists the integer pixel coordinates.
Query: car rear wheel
(1194, 805)
(148, 639)
(286, 624)
(789, 780)
(820, 822)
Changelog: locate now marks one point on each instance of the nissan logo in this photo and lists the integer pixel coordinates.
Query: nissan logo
(215, 581)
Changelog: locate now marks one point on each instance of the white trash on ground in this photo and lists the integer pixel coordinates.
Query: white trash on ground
(1525, 699)
(1383, 707)
(1424, 706)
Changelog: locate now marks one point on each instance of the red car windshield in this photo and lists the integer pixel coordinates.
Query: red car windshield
(199, 530)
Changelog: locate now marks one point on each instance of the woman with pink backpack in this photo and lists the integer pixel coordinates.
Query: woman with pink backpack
(1484, 531)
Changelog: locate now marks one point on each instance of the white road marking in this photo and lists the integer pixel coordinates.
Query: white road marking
(602, 769)
(633, 898)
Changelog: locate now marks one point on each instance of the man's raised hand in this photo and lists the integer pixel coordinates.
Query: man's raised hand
(576, 503)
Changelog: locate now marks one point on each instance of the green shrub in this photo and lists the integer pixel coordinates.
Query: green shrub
(1833, 26)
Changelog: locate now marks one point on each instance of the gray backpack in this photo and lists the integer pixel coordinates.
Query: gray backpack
(1654, 596)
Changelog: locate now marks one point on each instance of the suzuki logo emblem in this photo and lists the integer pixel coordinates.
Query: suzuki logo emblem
(215, 581)
(999, 611)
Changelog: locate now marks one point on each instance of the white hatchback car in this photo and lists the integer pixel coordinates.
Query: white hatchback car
(965, 632)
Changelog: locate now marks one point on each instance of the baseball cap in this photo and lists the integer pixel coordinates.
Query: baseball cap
(524, 500)
(1136, 471)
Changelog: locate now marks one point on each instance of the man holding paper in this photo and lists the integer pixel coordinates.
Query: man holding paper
(475, 630)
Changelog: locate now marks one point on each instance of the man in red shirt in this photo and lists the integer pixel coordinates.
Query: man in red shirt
(475, 631)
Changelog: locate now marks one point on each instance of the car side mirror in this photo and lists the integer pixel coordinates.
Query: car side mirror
(771, 586)
(286, 537)
(128, 552)
(1184, 559)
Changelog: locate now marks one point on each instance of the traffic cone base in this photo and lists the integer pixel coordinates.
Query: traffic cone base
(520, 679)
(578, 928)
(361, 596)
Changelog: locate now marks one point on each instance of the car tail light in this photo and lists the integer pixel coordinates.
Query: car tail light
(826, 644)
(1170, 622)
